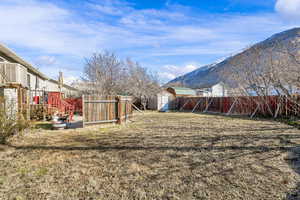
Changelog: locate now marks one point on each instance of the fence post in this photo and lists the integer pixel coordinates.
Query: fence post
(286, 106)
(131, 108)
(83, 111)
(126, 110)
(27, 106)
(44, 110)
(119, 109)
(221, 105)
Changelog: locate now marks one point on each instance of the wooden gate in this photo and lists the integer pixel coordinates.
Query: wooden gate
(106, 109)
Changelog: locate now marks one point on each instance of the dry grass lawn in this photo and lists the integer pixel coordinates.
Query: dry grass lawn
(158, 156)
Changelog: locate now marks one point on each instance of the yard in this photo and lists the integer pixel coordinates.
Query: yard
(158, 156)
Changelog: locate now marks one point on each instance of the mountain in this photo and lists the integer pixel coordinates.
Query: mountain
(214, 73)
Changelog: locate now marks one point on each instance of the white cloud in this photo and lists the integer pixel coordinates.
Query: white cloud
(57, 34)
(172, 71)
(48, 28)
(288, 8)
(33, 27)
(180, 70)
(51, 29)
(70, 79)
(166, 75)
(108, 10)
(45, 60)
(111, 7)
(150, 17)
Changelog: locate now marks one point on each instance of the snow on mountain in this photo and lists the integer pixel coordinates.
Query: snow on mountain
(214, 73)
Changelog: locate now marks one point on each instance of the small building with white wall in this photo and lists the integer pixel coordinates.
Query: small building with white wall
(164, 100)
(213, 90)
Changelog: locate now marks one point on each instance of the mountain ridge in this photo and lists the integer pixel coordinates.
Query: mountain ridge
(213, 73)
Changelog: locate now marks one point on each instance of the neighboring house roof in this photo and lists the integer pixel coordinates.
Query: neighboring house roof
(64, 85)
(70, 87)
(183, 91)
(9, 53)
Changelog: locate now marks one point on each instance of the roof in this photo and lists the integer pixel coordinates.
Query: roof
(64, 85)
(16, 58)
(70, 87)
(12, 55)
(183, 91)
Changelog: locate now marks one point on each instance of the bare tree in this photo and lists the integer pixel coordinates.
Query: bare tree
(105, 74)
(141, 83)
(268, 70)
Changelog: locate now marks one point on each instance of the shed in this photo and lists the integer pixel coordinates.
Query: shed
(164, 100)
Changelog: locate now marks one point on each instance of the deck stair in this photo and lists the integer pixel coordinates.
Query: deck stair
(55, 101)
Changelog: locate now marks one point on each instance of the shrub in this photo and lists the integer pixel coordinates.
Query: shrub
(10, 126)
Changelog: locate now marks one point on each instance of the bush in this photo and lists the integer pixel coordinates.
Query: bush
(10, 126)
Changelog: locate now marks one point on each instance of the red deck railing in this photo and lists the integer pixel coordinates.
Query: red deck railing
(55, 101)
(77, 103)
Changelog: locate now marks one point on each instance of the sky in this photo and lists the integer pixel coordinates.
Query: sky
(169, 37)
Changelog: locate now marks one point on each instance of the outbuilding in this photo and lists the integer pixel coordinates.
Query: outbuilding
(164, 100)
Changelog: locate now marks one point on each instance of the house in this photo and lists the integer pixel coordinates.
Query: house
(213, 90)
(66, 90)
(86, 87)
(20, 81)
(164, 100)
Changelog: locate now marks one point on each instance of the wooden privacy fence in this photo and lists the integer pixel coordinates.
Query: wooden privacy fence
(106, 109)
(267, 106)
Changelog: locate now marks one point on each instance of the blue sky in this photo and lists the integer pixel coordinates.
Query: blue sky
(170, 37)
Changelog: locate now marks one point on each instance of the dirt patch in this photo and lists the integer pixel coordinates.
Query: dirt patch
(159, 156)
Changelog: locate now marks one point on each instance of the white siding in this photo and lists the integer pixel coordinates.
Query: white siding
(164, 100)
(52, 87)
(22, 75)
(11, 101)
(218, 90)
(36, 83)
(207, 94)
(69, 92)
